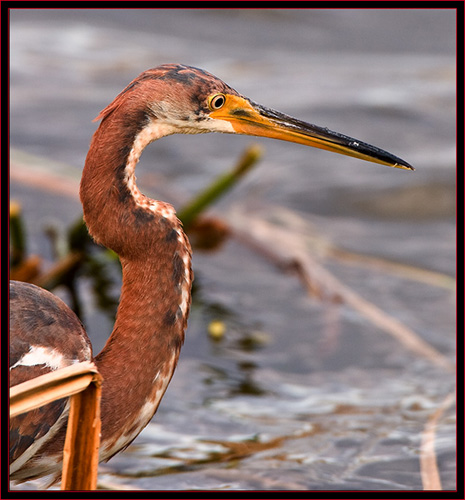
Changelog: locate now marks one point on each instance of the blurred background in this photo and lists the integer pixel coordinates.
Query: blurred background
(275, 389)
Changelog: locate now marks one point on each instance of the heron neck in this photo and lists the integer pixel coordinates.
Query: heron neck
(139, 358)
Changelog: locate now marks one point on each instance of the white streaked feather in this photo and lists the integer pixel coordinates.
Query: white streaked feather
(39, 355)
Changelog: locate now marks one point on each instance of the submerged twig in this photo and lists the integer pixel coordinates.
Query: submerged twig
(428, 463)
(405, 271)
(288, 250)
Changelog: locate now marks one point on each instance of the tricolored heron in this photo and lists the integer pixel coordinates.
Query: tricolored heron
(141, 353)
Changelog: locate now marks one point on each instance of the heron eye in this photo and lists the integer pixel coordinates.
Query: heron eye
(217, 102)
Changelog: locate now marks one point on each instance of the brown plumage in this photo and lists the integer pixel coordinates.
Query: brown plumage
(140, 356)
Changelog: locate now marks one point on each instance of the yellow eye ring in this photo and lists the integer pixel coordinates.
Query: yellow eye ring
(216, 101)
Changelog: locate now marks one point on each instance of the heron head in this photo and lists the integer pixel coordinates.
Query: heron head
(184, 99)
